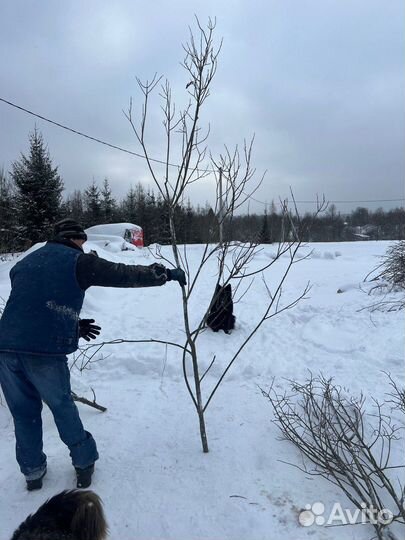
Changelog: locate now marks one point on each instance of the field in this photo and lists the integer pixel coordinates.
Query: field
(152, 475)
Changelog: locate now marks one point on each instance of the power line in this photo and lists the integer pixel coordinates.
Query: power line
(266, 203)
(67, 128)
(100, 141)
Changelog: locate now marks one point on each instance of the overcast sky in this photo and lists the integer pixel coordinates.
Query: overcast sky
(319, 82)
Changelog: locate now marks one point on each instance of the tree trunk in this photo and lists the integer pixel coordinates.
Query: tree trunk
(190, 341)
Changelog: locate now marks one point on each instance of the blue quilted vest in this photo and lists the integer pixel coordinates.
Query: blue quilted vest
(41, 316)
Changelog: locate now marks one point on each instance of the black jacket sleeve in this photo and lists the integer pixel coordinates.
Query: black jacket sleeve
(94, 271)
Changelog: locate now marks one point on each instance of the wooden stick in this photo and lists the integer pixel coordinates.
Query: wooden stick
(88, 402)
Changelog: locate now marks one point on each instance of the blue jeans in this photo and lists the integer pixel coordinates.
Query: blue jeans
(27, 380)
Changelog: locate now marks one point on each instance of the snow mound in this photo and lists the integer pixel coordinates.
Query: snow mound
(316, 254)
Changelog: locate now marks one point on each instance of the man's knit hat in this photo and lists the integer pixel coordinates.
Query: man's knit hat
(69, 229)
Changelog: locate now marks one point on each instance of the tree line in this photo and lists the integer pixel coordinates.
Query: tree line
(31, 201)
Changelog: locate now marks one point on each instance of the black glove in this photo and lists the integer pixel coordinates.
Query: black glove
(176, 274)
(88, 330)
(158, 269)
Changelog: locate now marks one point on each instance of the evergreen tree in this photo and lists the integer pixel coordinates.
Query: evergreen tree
(360, 216)
(128, 206)
(163, 221)
(7, 213)
(200, 224)
(92, 205)
(211, 226)
(108, 203)
(265, 231)
(38, 191)
(152, 219)
(73, 206)
(140, 209)
(189, 232)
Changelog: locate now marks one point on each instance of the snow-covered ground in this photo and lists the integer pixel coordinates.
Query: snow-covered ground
(152, 475)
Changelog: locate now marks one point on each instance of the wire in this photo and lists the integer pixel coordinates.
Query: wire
(67, 128)
(310, 202)
(83, 134)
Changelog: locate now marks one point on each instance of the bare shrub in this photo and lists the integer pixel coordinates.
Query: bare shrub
(345, 444)
(389, 276)
(394, 265)
(396, 395)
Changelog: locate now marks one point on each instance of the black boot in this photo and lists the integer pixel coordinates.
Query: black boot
(84, 476)
(32, 485)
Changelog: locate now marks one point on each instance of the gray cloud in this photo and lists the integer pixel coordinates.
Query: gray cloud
(320, 83)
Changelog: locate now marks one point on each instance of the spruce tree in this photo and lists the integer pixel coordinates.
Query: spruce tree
(92, 205)
(152, 219)
(265, 231)
(140, 198)
(7, 214)
(128, 206)
(108, 203)
(73, 206)
(163, 221)
(38, 191)
(189, 233)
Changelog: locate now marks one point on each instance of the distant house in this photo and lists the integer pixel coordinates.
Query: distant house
(364, 232)
(128, 231)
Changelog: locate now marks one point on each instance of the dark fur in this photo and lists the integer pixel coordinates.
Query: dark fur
(221, 315)
(70, 515)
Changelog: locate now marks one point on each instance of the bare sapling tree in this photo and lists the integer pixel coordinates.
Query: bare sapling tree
(185, 144)
(346, 444)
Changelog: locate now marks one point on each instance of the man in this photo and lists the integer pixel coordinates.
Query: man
(40, 325)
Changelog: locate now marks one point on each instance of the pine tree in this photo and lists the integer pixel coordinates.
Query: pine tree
(38, 191)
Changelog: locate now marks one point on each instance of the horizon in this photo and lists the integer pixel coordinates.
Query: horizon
(320, 85)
